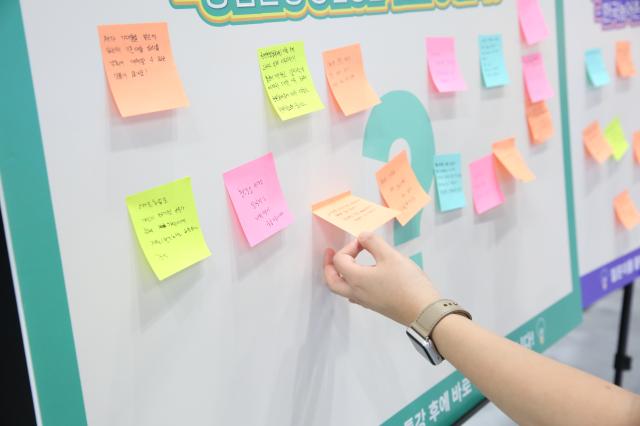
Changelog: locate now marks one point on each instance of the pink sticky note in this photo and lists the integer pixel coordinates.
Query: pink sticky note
(484, 184)
(257, 199)
(535, 78)
(532, 24)
(443, 65)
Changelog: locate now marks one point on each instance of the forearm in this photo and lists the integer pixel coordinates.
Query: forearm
(529, 387)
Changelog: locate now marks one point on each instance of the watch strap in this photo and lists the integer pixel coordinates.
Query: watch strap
(433, 314)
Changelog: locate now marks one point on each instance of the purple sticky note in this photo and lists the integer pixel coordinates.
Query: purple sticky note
(532, 24)
(535, 78)
(484, 184)
(257, 199)
(443, 65)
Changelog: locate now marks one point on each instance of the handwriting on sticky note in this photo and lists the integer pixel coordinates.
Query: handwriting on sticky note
(348, 83)
(532, 24)
(507, 153)
(287, 80)
(166, 224)
(400, 188)
(494, 71)
(535, 78)
(448, 173)
(595, 143)
(484, 185)
(257, 198)
(539, 121)
(140, 70)
(353, 214)
(636, 146)
(443, 65)
(596, 69)
(615, 137)
(624, 60)
(626, 210)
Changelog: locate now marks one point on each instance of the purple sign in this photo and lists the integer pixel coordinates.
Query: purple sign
(612, 14)
(612, 276)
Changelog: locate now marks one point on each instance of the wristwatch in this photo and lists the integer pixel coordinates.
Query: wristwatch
(420, 330)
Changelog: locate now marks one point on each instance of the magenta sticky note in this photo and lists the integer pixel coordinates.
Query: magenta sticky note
(535, 78)
(257, 199)
(484, 184)
(443, 65)
(532, 24)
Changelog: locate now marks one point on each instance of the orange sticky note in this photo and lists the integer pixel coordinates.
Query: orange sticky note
(139, 66)
(636, 146)
(400, 188)
(626, 210)
(624, 60)
(353, 214)
(347, 80)
(540, 122)
(595, 142)
(507, 153)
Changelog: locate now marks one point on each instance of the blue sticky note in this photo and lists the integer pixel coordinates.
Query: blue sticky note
(494, 71)
(596, 69)
(449, 189)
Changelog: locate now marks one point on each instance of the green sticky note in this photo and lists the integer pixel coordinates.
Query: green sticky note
(166, 224)
(615, 137)
(494, 71)
(287, 80)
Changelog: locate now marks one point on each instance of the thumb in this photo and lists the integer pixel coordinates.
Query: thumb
(375, 245)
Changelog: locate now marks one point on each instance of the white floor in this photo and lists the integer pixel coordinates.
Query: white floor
(590, 347)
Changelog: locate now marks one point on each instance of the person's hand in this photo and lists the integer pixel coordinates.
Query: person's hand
(394, 287)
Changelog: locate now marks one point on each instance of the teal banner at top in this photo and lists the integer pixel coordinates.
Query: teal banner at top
(224, 12)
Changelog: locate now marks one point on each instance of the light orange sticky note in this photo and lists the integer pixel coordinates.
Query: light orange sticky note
(139, 66)
(347, 80)
(353, 214)
(624, 60)
(540, 122)
(400, 188)
(636, 146)
(507, 153)
(626, 210)
(595, 142)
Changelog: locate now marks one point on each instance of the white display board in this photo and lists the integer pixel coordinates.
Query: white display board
(608, 253)
(253, 335)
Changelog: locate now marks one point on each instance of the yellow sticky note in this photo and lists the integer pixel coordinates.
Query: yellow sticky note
(166, 224)
(626, 210)
(400, 188)
(595, 142)
(624, 60)
(636, 146)
(140, 70)
(353, 214)
(509, 156)
(540, 122)
(615, 137)
(347, 80)
(287, 80)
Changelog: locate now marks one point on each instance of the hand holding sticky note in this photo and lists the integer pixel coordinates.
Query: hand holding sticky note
(484, 184)
(287, 80)
(347, 80)
(353, 214)
(595, 143)
(139, 66)
(596, 69)
(535, 78)
(448, 173)
(615, 137)
(443, 65)
(257, 199)
(400, 188)
(624, 60)
(509, 156)
(494, 71)
(532, 24)
(626, 210)
(166, 224)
